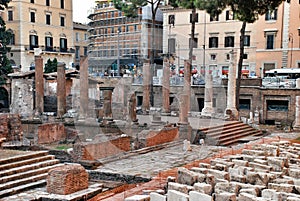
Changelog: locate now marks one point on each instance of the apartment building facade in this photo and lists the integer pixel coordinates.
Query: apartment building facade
(44, 24)
(271, 42)
(81, 41)
(113, 37)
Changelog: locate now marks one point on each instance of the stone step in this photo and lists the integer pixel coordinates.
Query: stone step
(29, 173)
(23, 157)
(24, 181)
(231, 133)
(18, 189)
(230, 129)
(234, 139)
(222, 126)
(26, 162)
(28, 167)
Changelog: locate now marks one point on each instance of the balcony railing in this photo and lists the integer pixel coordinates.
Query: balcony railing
(50, 49)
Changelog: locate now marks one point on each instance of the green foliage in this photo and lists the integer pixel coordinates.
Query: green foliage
(5, 37)
(130, 8)
(51, 66)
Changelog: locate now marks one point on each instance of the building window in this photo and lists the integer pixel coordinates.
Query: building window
(229, 41)
(49, 43)
(32, 16)
(63, 44)
(172, 19)
(196, 18)
(48, 19)
(77, 37)
(213, 57)
(85, 36)
(10, 15)
(85, 51)
(31, 1)
(127, 28)
(247, 40)
(214, 18)
(77, 53)
(34, 41)
(213, 42)
(271, 15)
(270, 41)
(171, 45)
(62, 21)
(244, 104)
(245, 56)
(227, 56)
(135, 27)
(62, 4)
(193, 44)
(230, 15)
(12, 38)
(47, 2)
(278, 105)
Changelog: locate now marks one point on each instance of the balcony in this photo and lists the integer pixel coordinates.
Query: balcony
(50, 50)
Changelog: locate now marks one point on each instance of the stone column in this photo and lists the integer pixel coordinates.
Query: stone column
(183, 110)
(166, 88)
(84, 88)
(61, 89)
(107, 100)
(231, 110)
(297, 114)
(132, 109)
(208, 94)
(146, 85)
(187, 84)
(39, 85)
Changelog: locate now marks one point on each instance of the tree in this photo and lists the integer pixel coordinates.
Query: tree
(51, 66)
(246, 12)
(5, 37)
(130, 9)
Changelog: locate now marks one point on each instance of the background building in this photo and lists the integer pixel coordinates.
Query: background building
(80, 41)
(113, 36)
(47, 25)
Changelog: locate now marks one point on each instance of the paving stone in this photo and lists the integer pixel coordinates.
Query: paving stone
(196, 196)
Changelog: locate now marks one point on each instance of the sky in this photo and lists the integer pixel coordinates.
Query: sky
(80, 10)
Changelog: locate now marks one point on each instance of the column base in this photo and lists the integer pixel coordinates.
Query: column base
(207, 111)
(231, 114)
(185, 131)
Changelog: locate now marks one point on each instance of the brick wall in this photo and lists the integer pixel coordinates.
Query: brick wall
(67, 179)
(92, 151)
(165, 135)
(10, 127)
(51, 132)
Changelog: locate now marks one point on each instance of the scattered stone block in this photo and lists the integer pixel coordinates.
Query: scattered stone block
(243, 196)
(188, 177)
(200, 170)
(263, 162)
(196, 196)
(295, 173)
(227, 187)
(204, 165)
(183, 188)
(138, 198)
(278, 163)
(281, 187)
(157, 197)
(260, 167)
(250, 191)
(251, 152)
(224, 197)
(219, 174)
(271, 194)
(240, 163)
(216, 161)
(203, 188)
(177, 196)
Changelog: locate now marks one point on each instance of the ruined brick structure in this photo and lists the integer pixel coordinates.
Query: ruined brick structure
(10, 127)
(67, 179)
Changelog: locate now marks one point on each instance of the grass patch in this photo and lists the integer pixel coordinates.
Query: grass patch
(62, 147)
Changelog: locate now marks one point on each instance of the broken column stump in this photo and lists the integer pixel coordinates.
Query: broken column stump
(67, 179)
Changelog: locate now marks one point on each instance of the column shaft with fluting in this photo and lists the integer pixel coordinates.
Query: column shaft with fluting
(39, 85)
(61, 90)
(166, 87)
(146, 87)
(84, 87)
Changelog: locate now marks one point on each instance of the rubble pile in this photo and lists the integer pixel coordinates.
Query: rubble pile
(263, 173)
(67, 179)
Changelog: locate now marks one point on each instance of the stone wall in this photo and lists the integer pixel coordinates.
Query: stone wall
(51, 132)
(93, 151)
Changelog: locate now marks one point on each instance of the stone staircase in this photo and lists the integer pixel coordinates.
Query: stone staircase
(20, 173)
(229, 133)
